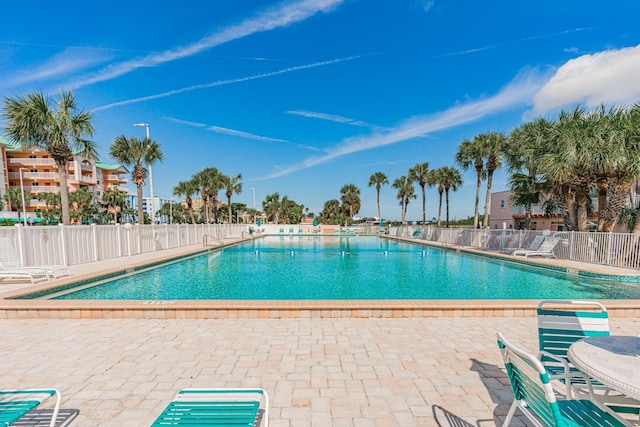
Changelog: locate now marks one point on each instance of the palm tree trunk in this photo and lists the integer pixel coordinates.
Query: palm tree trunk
(475, 210)
(440, 208)
(424, 206)
(609, 215)
(193, 220)
(379, 215)
(64, 192)
(229, 210)
(402, 214)
(527, 217)
(602, 185)
(214, 206)
(447, 200)
(140, 211)
(487, 201)
(582, 198)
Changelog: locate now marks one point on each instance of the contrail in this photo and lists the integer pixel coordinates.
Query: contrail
(222, 83)
(277, 17)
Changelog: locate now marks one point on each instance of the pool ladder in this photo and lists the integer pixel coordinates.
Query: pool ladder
(210, 237)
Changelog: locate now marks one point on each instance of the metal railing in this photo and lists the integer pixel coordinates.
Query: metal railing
(78, 244)
(614, 249)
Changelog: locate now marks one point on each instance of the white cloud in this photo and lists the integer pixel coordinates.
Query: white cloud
(68, 61)
(518, 92)
(428, 6)
(277, 17)
(609, 77)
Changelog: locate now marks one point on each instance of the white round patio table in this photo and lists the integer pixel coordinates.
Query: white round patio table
(612, 360)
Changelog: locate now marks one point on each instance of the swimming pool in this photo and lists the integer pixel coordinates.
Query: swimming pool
(345, 268)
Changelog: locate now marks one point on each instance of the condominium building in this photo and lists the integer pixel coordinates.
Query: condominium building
(35, 171)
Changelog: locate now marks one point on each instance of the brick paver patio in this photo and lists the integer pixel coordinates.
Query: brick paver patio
(318, 372)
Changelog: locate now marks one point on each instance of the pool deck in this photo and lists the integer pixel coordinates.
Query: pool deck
(440, 367)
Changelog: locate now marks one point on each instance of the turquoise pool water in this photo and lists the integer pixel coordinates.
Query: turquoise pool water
(350, 267)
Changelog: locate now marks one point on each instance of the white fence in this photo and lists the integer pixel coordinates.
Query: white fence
(78, 244)
(615, 249)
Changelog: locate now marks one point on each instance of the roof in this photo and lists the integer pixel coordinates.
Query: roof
(111, 167)
(10, 145)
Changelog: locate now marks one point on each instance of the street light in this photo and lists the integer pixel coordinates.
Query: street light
(24, 206)
(153, 219)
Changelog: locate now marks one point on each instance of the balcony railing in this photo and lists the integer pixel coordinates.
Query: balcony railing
(28, 161)
(41, 189)
(35, 175)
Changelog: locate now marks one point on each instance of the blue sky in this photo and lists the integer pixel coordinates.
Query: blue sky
(302, 97)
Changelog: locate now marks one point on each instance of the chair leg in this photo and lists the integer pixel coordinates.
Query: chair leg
(512, 411)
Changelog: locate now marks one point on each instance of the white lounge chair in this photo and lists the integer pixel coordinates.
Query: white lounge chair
(545, 249)
(533, 246)
(34, 276)
(9, 262)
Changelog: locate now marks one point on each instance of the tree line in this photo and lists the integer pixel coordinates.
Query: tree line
(555, 163)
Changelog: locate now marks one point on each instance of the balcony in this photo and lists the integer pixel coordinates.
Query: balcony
(27, 161)
(41, 189)
(35, 175)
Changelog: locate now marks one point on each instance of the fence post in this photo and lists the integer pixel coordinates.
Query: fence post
(94, 237)
(119, 239)
(63, 244)
(609, 249)
(21, 245)
(178, 234)
(571, 245)
(166, 230)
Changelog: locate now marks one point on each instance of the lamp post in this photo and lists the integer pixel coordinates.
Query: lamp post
(152, 214)
(24, 206)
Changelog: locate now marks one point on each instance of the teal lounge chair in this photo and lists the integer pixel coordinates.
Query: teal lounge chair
(217, 407)
(534, 395)
(15, 404)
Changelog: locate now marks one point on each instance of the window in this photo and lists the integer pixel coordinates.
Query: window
(502, 203)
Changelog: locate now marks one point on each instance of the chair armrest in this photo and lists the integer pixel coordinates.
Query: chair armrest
(561, 360)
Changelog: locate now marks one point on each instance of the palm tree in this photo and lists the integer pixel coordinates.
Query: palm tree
(522, 154)
(14, 195)
(406, 192)
(350, 197)
(614, 159)
(57, 126)
(232, 185)
(135, 153)
(493, 143)
(435, 178)
(378, 179)
(472, 152)
(82, 202)
(51, 200)
(272, 206)
(331, 212)
(115, 199)
(187, 189)
(209, 182)
(420, 173)
(451, 180)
